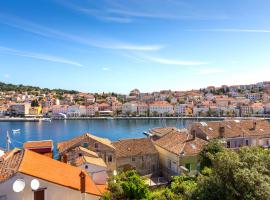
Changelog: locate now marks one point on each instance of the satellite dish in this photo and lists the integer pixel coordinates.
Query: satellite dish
(35, 184)
(18, 185)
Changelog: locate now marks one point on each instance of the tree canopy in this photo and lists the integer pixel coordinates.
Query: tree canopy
(227, 175)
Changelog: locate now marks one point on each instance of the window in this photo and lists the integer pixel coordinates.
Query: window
(267, 142)
(86, 166)
(133, 159)
(246, 142)
(39, 195)
(85, 145)
(96, 145)
(187, 165)
(228, 144)
(80, 154)
(110, 158)
(169, 164)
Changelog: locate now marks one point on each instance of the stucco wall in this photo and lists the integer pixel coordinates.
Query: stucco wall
(52, 192)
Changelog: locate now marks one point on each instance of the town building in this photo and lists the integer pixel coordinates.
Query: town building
(19, 109)
(56, 180)
(139, 154)
(234, 133)
(160, 108)
(178, 152)
(129, 108)
(44, 147)
(102, 146)
(95, 166)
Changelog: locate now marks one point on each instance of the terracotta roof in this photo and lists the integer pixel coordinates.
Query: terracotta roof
(102, 188)
(42, 167)
(38, 144)
(134, 147)
(86, 159)
(160, 103)
(180, 141)
(89, 152)
(234, 128)
(162, 131)
(63, 146)
(9, 163)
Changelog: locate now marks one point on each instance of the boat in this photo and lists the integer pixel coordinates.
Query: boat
(47, 119)
(148, 134)
(14, 131)
(110, 118)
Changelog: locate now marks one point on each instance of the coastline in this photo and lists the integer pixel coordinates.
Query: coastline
(24, 119)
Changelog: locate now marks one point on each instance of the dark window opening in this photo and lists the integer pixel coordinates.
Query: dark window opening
(110, 158)
(39, 195)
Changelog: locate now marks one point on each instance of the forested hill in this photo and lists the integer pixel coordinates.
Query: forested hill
(4, 87)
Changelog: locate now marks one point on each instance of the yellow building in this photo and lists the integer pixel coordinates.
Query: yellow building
(35, 110)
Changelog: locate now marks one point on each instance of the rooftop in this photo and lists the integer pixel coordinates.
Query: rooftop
(178, 142)
(62, 146)
(134, 147)
(91, 160)
(39, 166)
(234, 128)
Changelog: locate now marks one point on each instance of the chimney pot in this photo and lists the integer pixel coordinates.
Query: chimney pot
(82, 182)
(221, 131)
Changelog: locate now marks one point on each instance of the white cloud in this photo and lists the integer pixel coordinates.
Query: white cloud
(6, 76)
(39, 56)
(175, 62)
(94, 41)
(129, 11)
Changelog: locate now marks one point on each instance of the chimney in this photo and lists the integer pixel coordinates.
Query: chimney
(221, 131)
(64, 158)
(194, 134)
(82, 182)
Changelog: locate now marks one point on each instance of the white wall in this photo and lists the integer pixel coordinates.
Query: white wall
(53, 191)
(99, 174)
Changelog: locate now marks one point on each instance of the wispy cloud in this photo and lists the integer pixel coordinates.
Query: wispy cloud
(233, 30)
(210, 71)
(129, 11)
(39, 56)
(105, 69)
(175, 62)
(94, 41)
(6, 75)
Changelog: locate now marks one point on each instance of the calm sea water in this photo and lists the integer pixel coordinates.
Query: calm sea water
(59, 130)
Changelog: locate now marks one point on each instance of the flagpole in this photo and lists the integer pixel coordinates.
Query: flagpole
(8, 141)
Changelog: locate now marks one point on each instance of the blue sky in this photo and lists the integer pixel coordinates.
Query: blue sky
(118, 45)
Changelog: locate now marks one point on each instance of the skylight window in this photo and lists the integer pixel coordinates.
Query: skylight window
(210, 129)
(237, 121)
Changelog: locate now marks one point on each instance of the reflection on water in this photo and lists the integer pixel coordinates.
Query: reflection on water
(59, 130)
